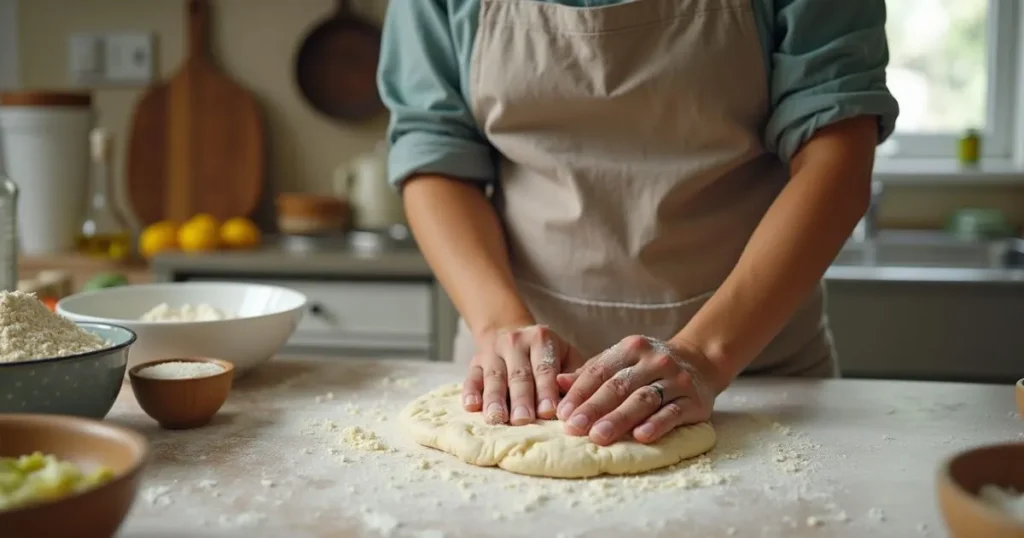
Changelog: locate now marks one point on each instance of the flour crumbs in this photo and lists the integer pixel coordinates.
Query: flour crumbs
(28, 330)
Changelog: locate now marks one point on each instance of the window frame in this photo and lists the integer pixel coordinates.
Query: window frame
(999, 138)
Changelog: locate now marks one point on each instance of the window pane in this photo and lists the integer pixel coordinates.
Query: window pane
(937, 66)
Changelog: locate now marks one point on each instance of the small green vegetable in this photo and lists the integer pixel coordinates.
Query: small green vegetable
(105, 280)
(35, 477)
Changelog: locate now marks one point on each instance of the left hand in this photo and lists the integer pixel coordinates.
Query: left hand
(613, 394)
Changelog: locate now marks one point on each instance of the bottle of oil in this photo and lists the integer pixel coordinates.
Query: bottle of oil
(105, 232)
(8, 234)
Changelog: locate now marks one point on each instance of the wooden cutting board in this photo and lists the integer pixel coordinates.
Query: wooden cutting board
(197, 140)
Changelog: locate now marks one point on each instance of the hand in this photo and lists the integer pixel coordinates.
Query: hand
(518, 366)
(612, 394)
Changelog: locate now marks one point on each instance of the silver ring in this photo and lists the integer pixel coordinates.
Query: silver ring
(661, 392)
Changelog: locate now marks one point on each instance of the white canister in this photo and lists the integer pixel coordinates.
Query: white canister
(44, 149)
(364, 182)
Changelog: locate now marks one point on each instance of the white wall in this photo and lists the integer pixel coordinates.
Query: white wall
(8, 44)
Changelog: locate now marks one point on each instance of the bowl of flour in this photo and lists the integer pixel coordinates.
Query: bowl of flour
(51, 364)
(243, 323)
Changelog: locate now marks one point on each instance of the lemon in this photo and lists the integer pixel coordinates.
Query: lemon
(158, 237)
(199, 235)
(240, 233)
(205, 219)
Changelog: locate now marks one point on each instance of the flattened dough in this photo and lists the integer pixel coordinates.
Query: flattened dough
(437, 420)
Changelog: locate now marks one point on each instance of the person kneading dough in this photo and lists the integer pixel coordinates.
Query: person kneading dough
(632, 202)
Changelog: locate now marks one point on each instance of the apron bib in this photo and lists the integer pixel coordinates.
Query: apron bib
(632, 166)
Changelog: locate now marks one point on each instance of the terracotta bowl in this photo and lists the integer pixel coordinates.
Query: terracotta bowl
(962, 476)
(179, 404)
(96, 513)
(1020, 397)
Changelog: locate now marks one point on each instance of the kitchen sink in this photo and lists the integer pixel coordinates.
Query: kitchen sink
(932, 249)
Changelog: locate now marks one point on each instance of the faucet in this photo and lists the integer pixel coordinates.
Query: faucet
(867, 228)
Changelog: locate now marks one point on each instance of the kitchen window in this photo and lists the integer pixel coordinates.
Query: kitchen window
(953, 66)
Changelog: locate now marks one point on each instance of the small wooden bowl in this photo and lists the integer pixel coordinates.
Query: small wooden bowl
(962, 476)
(1020, 398)
(94, 513)
(181, 404)
(311, 214)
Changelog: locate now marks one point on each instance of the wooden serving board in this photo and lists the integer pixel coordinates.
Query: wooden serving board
(197, 140)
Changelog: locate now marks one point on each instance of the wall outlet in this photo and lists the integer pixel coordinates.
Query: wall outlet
(111, 59)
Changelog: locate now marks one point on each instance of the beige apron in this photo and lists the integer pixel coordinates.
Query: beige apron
(633, 169)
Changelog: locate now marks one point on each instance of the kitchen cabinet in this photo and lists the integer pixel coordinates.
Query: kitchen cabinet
(956, 331)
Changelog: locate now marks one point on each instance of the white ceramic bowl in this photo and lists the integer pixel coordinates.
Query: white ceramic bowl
(266, 316)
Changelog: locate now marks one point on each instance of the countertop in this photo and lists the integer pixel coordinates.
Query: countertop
(409, 263)
(801, 458)
(275, 261)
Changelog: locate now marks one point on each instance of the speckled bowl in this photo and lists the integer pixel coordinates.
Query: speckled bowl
(84, 385)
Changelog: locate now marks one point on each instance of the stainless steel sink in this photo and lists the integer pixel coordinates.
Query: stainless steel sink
(931, 249)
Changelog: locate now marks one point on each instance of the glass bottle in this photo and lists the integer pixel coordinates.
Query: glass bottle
(105, 232)
(8, 234)
(969, 148)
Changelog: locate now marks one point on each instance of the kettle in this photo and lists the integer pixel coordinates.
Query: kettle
(364, 182)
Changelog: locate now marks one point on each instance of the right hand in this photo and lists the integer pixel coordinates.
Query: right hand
(518, 366)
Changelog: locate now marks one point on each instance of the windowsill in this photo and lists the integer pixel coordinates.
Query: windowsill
(948, 172)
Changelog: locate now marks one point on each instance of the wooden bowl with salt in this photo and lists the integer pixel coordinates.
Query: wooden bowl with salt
(182, 393)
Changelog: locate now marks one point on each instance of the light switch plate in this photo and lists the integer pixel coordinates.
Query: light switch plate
(128, 58)
(111, 59)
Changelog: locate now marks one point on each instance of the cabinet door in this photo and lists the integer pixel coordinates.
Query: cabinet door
(378, 315)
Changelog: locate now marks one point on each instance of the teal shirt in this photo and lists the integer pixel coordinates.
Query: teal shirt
(825, 61)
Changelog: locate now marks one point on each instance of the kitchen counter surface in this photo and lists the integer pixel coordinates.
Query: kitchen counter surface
(273, 260)
(409, 263)
(801, 458)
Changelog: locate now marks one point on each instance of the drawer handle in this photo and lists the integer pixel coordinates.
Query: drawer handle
(317, 310)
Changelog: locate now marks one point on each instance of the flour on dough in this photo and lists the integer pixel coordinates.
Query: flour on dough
(437, 420)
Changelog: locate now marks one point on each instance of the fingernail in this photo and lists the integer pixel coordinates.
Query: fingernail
(579, 422)
(495, 411)
(520, 413)
(602, 429)
(645, 430)
(565, 409)
(470, 400)
(545, 407)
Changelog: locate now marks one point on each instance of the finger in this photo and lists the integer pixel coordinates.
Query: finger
(521, 384)
(546, 359)
(599, 370)
(610, 395)
(565, 381)
(472, 388)
(495, 389)
(640, 405)
(671, 415)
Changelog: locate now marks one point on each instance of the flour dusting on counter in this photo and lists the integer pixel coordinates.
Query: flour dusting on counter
(333, 464)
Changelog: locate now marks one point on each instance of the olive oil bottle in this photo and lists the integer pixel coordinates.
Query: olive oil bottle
(105, 232)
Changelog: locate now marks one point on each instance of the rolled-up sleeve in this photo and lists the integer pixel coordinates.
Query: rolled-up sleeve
(828, 65)
(431, 130)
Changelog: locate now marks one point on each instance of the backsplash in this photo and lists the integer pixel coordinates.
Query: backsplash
(255, 41)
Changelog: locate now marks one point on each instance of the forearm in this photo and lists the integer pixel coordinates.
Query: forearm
(459, 233)
(791, 248)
